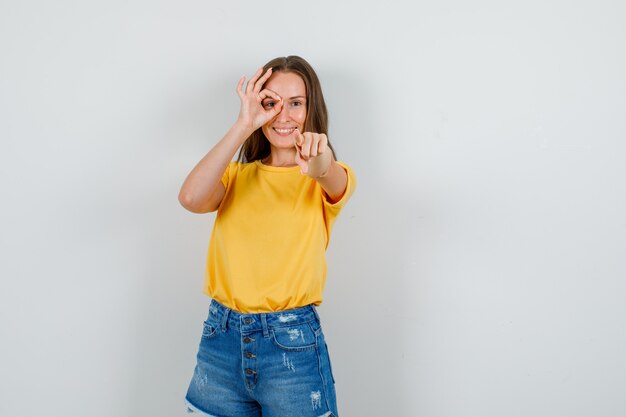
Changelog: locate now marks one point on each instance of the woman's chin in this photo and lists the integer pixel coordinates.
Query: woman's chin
(282, 142)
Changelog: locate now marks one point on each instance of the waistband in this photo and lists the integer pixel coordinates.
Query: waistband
(249, 322)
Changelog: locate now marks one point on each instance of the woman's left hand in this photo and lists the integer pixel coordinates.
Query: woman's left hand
(312, 154)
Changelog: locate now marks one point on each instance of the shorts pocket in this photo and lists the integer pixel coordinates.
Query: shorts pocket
(209, 330)
(294, 338)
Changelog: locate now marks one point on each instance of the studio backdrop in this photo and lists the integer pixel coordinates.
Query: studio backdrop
(479, 270)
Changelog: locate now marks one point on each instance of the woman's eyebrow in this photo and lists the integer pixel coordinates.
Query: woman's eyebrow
(291, 98)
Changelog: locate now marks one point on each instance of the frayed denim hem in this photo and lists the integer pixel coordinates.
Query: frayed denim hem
(193, 409)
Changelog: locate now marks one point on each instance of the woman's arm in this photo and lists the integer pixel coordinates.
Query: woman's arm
(335, 182)
(315, 160)
(203, 190)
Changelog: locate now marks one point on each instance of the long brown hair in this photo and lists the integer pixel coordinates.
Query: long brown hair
(257, 146)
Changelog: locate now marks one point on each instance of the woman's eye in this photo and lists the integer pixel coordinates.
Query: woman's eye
(268, 104)
(296, 103)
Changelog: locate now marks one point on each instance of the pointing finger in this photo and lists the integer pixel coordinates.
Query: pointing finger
(304, 165)
(307, 140)
(299, 138)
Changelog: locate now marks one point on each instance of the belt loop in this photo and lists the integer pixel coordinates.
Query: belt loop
(315, 312)
(225, 319)
(266, 332)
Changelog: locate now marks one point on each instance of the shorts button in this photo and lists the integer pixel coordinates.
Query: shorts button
(248, 339)
(247, 320)
(249, 371)
(250, 355)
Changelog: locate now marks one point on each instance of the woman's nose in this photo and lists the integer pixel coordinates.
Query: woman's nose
(284, 113)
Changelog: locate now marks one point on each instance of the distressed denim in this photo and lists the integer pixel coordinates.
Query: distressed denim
(268, 364)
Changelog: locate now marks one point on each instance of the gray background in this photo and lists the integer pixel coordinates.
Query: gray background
(478, 271)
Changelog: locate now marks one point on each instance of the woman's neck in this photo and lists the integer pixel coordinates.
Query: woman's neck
(281, 158)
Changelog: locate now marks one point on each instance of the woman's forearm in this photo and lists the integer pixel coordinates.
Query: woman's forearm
(202, 190)
(334, 182)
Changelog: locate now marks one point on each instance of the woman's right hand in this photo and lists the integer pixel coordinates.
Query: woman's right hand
(253, 114)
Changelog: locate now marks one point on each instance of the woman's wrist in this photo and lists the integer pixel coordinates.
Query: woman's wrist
(320, 165)
(242, 129)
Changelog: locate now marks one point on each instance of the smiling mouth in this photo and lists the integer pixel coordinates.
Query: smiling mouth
(284, 132)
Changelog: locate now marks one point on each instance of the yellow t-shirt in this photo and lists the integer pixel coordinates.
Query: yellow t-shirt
(268, 247)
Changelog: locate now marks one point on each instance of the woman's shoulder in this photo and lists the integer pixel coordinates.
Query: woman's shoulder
(234, 170)
(237, 166)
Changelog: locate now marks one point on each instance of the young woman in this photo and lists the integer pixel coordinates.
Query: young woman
(262, 351)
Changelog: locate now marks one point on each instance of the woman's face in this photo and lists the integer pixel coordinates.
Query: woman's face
(290, 87)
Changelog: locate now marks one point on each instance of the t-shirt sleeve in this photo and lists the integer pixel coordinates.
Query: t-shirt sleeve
(332, 209)
(228, 173)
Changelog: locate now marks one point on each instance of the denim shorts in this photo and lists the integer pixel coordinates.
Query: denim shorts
(268, 364)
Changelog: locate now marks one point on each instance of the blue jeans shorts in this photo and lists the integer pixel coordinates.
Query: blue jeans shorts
(268, 364)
